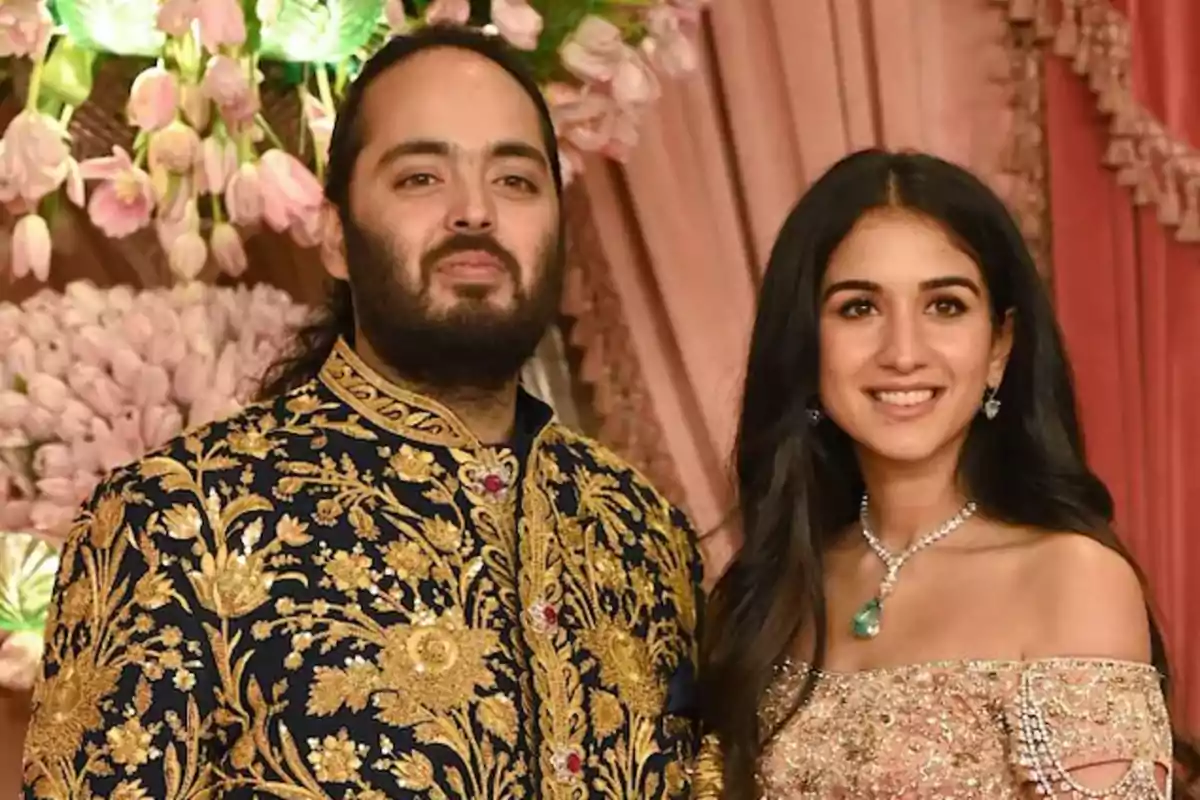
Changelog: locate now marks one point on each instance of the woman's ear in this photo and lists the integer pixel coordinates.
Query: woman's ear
(1001, 349)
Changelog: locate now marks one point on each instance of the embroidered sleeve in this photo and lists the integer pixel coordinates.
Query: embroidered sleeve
(1072, 717)
(123, 705)
(707, 783)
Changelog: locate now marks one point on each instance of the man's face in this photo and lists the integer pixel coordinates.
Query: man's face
(452, 243)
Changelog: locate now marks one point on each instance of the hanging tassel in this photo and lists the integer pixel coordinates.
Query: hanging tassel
(1189, 228)
(1169, 212)
(1119, 153)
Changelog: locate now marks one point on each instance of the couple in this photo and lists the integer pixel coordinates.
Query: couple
(399, 577)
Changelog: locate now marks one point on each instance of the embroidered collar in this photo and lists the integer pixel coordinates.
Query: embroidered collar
(406, 413)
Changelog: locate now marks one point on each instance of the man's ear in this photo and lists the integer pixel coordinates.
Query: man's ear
(333, 243)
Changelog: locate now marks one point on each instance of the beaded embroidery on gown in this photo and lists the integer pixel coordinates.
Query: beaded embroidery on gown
(1000, 730)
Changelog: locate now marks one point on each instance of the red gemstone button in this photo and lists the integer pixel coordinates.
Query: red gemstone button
(493, 483)
(574, 763)
(550, 614)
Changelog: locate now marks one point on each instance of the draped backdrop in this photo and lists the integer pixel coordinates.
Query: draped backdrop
(1122, 98)
(1083, 114)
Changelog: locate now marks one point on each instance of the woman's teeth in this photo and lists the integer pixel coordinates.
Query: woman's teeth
(909, 398)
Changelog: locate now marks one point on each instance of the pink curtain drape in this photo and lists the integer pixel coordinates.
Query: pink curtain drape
(1122, 127)
(787, 88)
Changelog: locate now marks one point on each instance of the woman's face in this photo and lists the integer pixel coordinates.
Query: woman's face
(908, 347)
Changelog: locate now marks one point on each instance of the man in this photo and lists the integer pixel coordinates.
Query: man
(400, 578)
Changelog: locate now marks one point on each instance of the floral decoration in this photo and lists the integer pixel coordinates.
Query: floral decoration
(92, 379)
(206, 169)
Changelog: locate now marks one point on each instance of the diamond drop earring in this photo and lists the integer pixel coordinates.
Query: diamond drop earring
(991, 404)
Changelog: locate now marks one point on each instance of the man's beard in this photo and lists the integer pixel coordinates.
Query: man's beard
(471, 346)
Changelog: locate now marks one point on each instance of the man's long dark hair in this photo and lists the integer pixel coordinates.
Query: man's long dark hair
(315, 341)
(799, 485)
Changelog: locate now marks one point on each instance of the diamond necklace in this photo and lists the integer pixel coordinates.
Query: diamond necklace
(869, 619)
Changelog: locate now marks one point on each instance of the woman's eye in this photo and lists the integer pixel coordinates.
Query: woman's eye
(858, 307)
(948, 306)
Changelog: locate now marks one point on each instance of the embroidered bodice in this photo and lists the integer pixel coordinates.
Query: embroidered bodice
(994, 730)
(343, 594)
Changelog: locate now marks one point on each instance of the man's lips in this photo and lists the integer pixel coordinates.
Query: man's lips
(471, 266)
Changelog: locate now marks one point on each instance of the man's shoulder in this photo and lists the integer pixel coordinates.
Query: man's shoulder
(605, 459)
(223, 445)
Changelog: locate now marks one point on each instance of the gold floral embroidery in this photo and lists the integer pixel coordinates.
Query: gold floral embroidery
(342, 593)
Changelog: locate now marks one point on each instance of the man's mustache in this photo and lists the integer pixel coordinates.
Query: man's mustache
(463, 243)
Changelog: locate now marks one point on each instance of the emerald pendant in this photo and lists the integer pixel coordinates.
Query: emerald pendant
(867, 620)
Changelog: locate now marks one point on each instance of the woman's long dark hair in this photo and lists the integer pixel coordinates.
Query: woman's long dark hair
(799, 486)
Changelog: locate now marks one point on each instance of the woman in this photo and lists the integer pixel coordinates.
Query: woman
(929, 601)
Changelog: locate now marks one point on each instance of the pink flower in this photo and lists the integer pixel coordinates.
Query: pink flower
(95, 388)
(227, 249)
(46, 391)
(187, 255)
(594, 50)
(306, 228)
(53, 461)
(175, 148)
(25, 27)
(243, 196)
(453, 12)
(222, 24)
(519, 23)
(14, 407)
(634, 82)
(124, 202)
(75, 189)
(153, 99)
(31, 248)
(195, 105)
(591, 120)
(289, 189)
(227, 83)
(320, 123)
(396, 17)
(34, 159)
(220, 159)
(160, 424)
(670, 43)
(175, 17)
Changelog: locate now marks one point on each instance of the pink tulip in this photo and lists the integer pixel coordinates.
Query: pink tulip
(53, 518)
(175, 148)
(75, 420)
(306, 228)
(187, 255)
(634, 82)
(518, 22)
(25, 27)
(160, 424)
(289, 189)
(14, 407)
(92, 345)
(126, 368)
(53, 461)
(96, 389)
(320, 123)
(48, 392)
(220, 159)
(175, 17)
(31, 248)
(593, 51)
(670, 43)
(122, 204)
(34, 159)
(153, 387)
(75, 188)
(243, 196)
(227, 83)
(222, 24)
(452, 12)
(397, 18)
(227, 249)
(195, 105)
(191, 378)
(153, 99)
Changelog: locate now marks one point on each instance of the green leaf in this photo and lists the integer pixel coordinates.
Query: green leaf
(124, 27)
(68, 71)
(253, 25)
(320, 32)
(28, 566)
